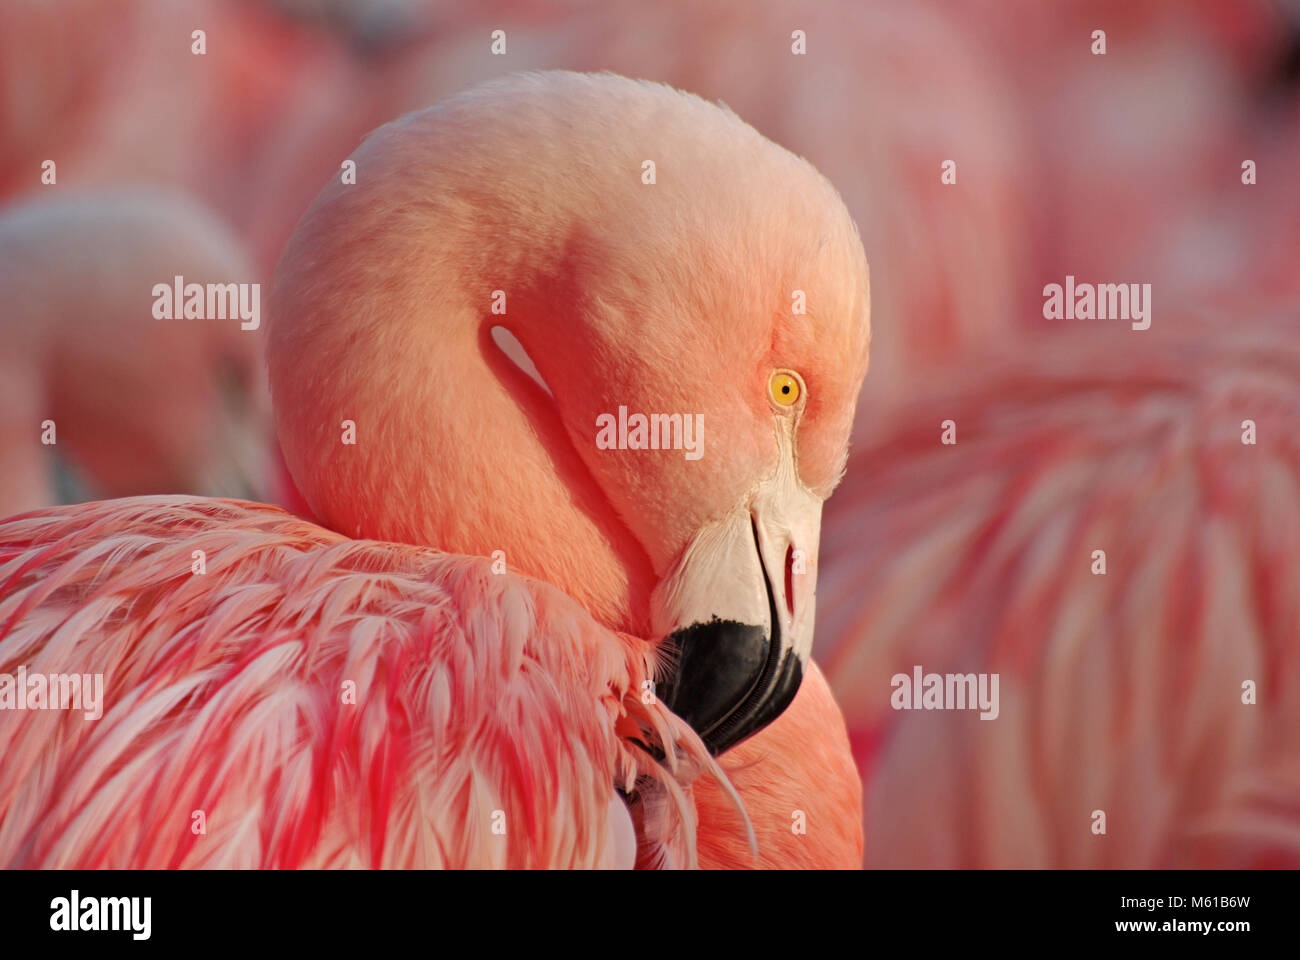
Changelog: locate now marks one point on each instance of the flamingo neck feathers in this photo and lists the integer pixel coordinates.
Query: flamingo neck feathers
(381, 324)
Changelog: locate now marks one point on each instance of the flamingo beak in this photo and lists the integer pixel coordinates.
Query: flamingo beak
(737, 613)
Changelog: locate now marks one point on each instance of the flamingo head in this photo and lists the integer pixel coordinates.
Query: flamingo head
(145, 404)
(602, 324)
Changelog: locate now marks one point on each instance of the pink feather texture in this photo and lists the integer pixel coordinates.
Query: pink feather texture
(1121, 692)
(224, 692)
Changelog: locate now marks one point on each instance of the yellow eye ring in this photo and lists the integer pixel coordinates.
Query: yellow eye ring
(784, 389)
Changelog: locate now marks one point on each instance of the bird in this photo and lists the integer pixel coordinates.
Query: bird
(1112, 534)
(209, 99)
(500, 643)
(103, 397)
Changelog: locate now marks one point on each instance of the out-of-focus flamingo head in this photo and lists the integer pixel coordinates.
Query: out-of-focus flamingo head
(143, 404)
(507, 282)
(188, 413)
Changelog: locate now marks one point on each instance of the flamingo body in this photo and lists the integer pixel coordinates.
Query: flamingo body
(230, 692)
(1123, 685)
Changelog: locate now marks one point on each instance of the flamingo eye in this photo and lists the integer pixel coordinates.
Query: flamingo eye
(784, 388)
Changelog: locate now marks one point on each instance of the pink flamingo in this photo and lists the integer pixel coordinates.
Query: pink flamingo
(93, 382)
(279, 694)
(113, 92)
(1123, 675)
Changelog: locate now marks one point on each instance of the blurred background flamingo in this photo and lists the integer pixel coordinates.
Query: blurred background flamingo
(132, 403)
(1123, 678)
(1123, 167)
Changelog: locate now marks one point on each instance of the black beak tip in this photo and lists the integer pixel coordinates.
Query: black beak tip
(729, 681)
(780, 694)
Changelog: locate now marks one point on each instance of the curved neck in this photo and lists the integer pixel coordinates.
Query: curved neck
(455, 446)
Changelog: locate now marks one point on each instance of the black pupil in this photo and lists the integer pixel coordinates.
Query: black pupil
(786, 388)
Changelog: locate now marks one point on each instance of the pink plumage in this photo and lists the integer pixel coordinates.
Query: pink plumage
(1123, 691)
(227, 692)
